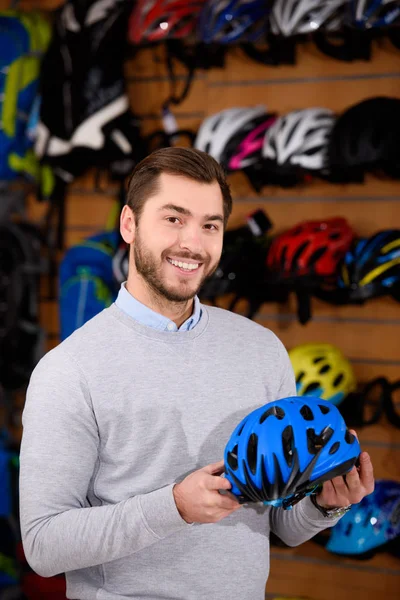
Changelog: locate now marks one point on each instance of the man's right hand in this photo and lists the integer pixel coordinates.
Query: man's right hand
(197, 497)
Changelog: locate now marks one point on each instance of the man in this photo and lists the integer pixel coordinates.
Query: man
(126, 421)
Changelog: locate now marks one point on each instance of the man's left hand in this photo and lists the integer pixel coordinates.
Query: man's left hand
(351, 488)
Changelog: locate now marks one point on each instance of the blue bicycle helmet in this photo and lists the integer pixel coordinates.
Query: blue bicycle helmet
(284, 450)
(371, 267)
(372, 524)
(227, 21)
(374, 14)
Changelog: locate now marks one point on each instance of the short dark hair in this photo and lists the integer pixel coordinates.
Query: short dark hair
(186, 162)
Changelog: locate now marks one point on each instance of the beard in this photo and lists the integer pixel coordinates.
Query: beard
(151, 271)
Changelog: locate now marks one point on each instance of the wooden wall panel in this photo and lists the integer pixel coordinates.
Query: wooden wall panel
(369, 335)
(287, 96)
(310, 571)
(360, 340)
(365, 215)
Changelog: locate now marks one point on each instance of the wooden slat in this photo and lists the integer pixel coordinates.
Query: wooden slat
(357, 340)
(378, 309)
(381, 434)
(386, 461)
(49, 316)
(366, 371)
(147, 97)
(317, 574)
(366, 216)
(285, 97)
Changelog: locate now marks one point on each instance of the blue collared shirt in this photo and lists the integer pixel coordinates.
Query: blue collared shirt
(145, 315)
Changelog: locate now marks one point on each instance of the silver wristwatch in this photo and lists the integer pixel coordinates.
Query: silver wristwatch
(330, 513)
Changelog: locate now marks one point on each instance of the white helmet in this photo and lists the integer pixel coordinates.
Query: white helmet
(300, 138)
(293, 17)
(216, 131)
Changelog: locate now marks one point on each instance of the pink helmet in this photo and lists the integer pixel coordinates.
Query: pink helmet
(249, 149)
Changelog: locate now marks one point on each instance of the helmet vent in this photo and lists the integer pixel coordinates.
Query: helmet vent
(318, 360)
(335, 235)
(368, 518)
(300, 377)
(348, 529)
(307, 413)
(334, 448)
(338, 380)
(233, 458)
(241, 429)
(275, 411)
(324, 369)
(288, 444)
(299, 252)
(292, 132)
(349, 437)
(316, 442)
(324, 409)
(315, 256)
(252, 453)
(311, 388)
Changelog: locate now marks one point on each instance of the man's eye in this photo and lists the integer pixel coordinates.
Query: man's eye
(173, 219)
(212, 225)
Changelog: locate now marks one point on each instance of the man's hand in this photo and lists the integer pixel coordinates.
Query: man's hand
(198, 500)
(350, 489)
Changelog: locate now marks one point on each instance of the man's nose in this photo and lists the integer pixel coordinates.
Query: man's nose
(190, 239)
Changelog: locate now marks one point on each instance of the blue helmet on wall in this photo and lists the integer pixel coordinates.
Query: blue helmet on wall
(284, 450)
(227, 21)
(369, 525)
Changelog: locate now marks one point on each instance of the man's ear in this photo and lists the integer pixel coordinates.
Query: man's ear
(127, 225)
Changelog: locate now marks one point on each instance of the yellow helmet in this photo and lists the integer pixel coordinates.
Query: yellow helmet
(321, 370)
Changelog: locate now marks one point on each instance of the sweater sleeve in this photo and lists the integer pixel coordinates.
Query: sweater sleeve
(299, 524)
(58, 458)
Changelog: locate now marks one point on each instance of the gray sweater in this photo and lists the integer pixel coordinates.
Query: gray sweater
(114, 416)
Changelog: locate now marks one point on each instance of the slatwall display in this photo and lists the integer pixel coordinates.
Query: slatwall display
(368, 335)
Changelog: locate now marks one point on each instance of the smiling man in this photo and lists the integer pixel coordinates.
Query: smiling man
(126, 421)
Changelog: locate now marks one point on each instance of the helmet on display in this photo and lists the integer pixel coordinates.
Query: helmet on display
(371, 525)
(299, 140)
(312, 248)
(248, 151)
(372, 267)
(156, 20)
(217, 131)
(226, 21)
(321, 370)
(374, 14)
(282, 451)
(242, 258)
(294, 17)
(364, 137)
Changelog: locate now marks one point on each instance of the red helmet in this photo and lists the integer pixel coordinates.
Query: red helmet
(310, 248)
(155, 20)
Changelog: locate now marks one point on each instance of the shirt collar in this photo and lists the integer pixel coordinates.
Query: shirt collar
(145, 315)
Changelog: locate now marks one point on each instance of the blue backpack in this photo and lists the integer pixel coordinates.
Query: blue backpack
(87, 280)
(24, 37)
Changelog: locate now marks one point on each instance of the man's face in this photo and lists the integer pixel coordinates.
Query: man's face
(182, 223)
